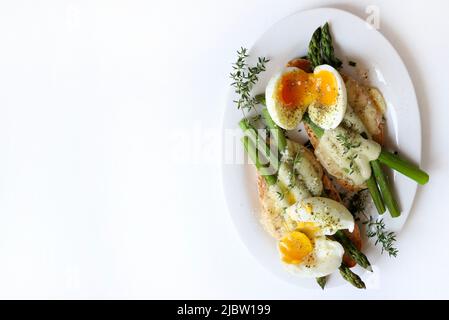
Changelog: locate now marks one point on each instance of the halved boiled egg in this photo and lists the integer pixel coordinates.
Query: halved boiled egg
(306, 251)
(328, 110)
(293, 91)
(287, 96)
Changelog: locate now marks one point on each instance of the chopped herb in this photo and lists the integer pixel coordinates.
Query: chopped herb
(296, 160)
(347, 143)
(352, 63)
(280, 195)
(291, 184)
(284, 211)
(352, 163)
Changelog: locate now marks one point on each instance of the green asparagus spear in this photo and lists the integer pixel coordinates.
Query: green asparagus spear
(316, 130)
(272, 158)
(278, 133)
(353, 252)
(385, 189)
(375, 194)
(406, 168)
(253, 154)
(314, 53)
(321, 49)
(351, 277)
(327, 48)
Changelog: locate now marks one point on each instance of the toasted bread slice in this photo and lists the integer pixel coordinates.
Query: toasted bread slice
(271, 217)
(369, 106)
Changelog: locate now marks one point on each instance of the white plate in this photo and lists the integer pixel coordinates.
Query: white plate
(354, 40)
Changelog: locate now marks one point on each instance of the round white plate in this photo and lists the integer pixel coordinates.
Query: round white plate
(354, 40)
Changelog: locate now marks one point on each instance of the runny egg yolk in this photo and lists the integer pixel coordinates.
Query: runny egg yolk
(327, 87)
(296, 245)
(295, 89)
(300, 89)
(308, 228)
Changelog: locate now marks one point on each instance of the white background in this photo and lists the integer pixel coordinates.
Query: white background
(98, 199)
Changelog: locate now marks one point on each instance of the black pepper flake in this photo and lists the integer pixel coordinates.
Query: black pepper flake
(352, 63)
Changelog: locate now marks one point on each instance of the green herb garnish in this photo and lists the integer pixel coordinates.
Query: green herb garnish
(280, 195)
(352, 167)
(245, 77)
(347, 143)
(376, 228)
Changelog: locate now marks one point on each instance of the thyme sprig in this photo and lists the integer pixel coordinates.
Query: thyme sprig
(376, 228)
(245, 77)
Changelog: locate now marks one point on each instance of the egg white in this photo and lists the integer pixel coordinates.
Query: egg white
(326, 259)
(329, 117)
(329, 215)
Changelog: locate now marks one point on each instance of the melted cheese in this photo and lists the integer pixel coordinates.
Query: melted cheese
(299, 177)
(352, 122)
(342, 151)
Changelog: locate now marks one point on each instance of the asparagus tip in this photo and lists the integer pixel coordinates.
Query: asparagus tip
(321, 282)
